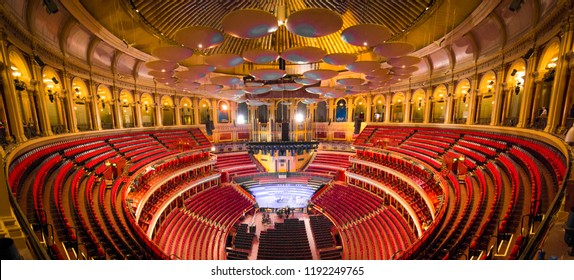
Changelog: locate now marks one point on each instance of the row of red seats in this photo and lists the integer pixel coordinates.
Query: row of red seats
(534, 174)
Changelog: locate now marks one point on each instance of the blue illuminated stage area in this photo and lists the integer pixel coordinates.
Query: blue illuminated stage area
(282, 195)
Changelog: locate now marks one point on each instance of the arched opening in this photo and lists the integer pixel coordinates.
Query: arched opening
(167, 111)
(321, 112)
(360, 109)
(378, 109)
(186, 111)
(127, 109)
(80, 104)
(204, 111)
(438, 104)
(543, 93)
(104, 99)
(282, 113)
(262, 113)
(223, 112)
(514, 93)
(26, 103)
(397, 107)
(242, 113)
(485, 98)
(418, 106)
(341, 110)
(53, 95)
(148, 117)
(461, 101)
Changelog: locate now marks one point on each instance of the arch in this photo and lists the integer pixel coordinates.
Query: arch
(515, 85)
(105, 106)
(223, 111)
(204, 111)
(321, 111)
(167, 110)
(186, 107)
(397, 107)
(282, 112)
(378, 111)
(52, 93)
(127, 108)
(438, 104)
(418, 102)
(340, 110)
(485, 97)
(461, 101)
(147, 107)
(242, 113)
(21, 76)
(360, 108)
(80, 93)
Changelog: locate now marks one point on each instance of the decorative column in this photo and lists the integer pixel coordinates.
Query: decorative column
(528, 90)
(31, 94)
(214, 109)
(157, 109)
(117, 111)
(569, 93)
(330, 109)
(408, 106)
(448, 116)
(195, 102)
(93, 96)
(138, 109)
(428, 105)
(538, 85)
(559, 86)
(42, 113)
(12, 107)
(177, 110)
(68, 92)
(350, 107)
(388, 108)
(369, 105)
(498, 94)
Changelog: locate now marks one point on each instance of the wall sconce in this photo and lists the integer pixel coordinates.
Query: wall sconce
(19, 85)
(50, 95)
(517, 88)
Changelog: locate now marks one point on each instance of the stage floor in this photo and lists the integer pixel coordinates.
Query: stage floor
(282, 195)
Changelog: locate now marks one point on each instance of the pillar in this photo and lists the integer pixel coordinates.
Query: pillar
(195, 102)
(535, 101)
(138, 109)
(350, 107)
(408, 106)
(428, 105)
(559, 87)
(177, 110)
(31, 97)
(68, 92)
(330, 110)
(42, 113)
(157, 107)
(388, 108)
(569, 93)
(117, 110)
(214, 110)
(448, 116)
(369, 112)
(528, 91)
(11, 104)
(498, 94)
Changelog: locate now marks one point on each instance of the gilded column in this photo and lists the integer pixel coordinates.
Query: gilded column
(388, 108)
(498, 94)
(428, 105)
(368, 117)
(43, 117)
(528, 90)
(31, 93)
(408, 106)
(195, 102)
(535, 101)
(157, 107)
(68, 92)
(559, 86)
(11, 101)
(94, 97)
(177, 110)
(214, 110)
(138, 109)
(449, 103)
(569, 93)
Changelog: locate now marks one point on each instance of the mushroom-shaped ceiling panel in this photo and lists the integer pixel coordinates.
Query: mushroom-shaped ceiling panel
(314, 22)
(260, 56)
(339, 59)
(224, 60)
(364, 67)
(394, 49)
(320, 74)
(366, 35)
(172, 53)
(199, 37)
(268, 74)
(303, 54)
(249, 23)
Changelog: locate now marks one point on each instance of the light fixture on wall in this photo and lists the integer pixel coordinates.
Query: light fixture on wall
(513, 72)
(19, 85)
